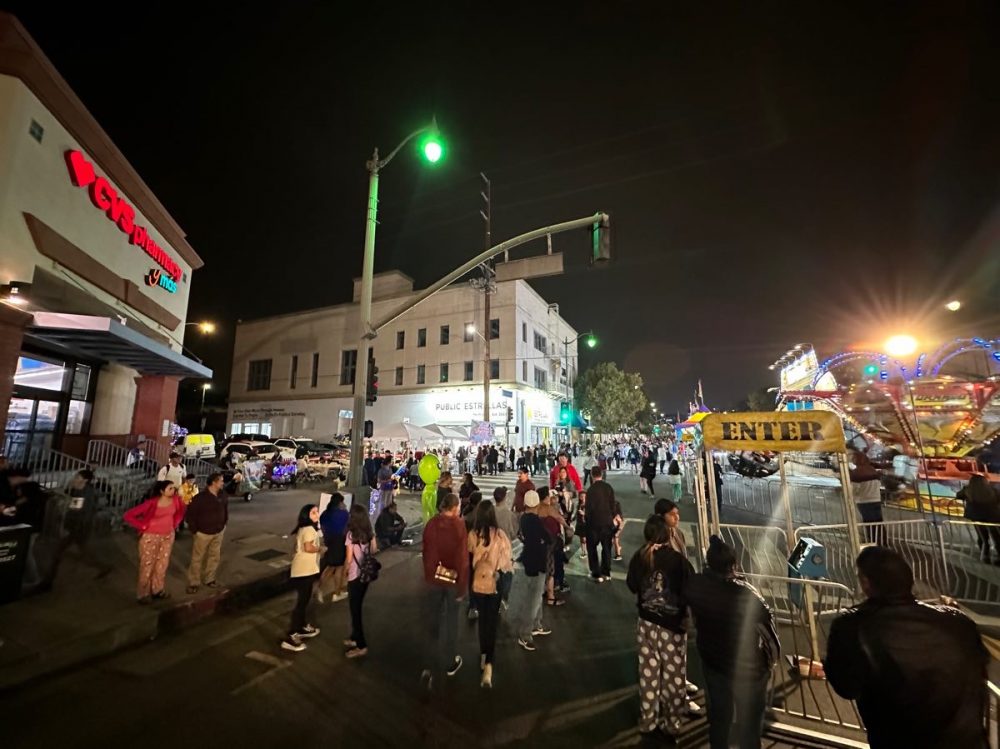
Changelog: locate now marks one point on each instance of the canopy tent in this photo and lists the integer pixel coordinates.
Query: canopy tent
(404, 432)
(448, 432)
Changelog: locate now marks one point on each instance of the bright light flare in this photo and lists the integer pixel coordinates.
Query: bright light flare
(901, 345)
(953, 306)
(433, 151)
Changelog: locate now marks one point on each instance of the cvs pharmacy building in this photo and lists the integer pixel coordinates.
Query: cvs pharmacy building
(94, 273)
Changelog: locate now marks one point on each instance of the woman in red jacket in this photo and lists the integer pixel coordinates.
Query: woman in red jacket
(157, 520)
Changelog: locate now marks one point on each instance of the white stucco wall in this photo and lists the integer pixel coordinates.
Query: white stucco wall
(114, 400)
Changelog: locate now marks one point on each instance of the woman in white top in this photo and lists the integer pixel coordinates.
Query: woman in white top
(304, 574)
(360, 542)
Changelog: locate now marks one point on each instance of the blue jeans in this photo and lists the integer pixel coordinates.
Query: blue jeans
(529, 606)
(726, 695)
(441, 616)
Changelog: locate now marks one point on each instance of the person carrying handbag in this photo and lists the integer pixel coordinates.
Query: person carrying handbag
(362, 570)
(446, 574)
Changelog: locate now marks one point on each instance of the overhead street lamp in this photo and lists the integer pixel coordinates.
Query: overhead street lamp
(205, 387)
(432, 150)
(205, 327)
(591, 343)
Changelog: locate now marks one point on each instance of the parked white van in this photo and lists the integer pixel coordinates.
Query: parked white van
(197, 446)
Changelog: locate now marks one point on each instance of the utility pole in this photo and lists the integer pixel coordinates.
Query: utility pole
(488, 286)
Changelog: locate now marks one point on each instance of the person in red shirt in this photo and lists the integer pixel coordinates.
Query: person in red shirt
(523, 485)
(563, 462)
(446, 577)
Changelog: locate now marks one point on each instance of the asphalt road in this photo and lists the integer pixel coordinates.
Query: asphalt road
(227, 683)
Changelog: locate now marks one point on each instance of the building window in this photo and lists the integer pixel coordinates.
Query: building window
(400, 339)
(36, 131)
(494, 369)
(421, 337)
(540, 378)
(421, 374)
(468, 371)
(399, 376)
(494, 328)
(540, 343)
(444, 373)
(468, 332)
(315, 373)
(294, 374)
(524, 332)
(348, 366)
(524, 371)
(445, 335)
(259, 375)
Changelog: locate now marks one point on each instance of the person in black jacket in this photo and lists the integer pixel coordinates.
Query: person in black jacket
(78, 523)
(534, 556)
(600, 525)
(658, 576)
(917, 671)
(738, 646)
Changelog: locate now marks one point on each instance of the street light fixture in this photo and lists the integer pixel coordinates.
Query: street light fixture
(953, 306)
(433, 152)
(205, 387)
(901, 345)
(204, 326)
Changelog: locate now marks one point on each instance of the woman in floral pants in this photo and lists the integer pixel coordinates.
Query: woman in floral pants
(157, 520)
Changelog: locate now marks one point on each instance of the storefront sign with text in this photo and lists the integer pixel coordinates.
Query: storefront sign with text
(120, 212)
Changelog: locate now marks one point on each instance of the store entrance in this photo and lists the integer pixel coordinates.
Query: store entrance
(52, 397)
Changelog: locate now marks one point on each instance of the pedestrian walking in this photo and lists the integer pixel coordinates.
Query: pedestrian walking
(658, 576)
(663, 456)
(157, 520)
(633, 459)
(468, 515)
(580, 522)
(648, 471)
(523, 485)
(78, 527)
(917, 671)
(490, 548)
(738, 646)
(303, 574)
(571, 474)
(446, 572)
(528, 616)
(555, 558)
(982, 505)
(207, 517)
(600, 526)
(465, 490)
(507, 521)
(362, 569)
(333, 523)
(616, 539)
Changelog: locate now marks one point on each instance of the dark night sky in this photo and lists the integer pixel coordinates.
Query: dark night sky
(775, 172)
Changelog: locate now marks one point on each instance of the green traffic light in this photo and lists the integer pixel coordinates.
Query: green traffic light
(591, 341)
(433, 150)
(871, 370)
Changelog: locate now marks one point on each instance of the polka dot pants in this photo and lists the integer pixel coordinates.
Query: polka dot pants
(662, 677)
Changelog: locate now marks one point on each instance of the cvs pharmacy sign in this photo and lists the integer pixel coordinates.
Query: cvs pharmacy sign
(119, 211)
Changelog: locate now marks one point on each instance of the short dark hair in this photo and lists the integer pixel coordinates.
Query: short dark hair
(86, 474)
(212, 478)
(887, 572)
(500, 494)
(720, 556)
(190, 476)
(596, 472)
(663, 506)
(447, 502)
(543, 492)
(336, 499)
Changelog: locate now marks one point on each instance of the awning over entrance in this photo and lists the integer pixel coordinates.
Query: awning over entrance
(105, 338)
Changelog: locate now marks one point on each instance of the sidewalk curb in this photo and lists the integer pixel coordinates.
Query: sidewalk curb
(135, 630)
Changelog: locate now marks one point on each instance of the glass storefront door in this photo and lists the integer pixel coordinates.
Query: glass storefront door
(31, 425)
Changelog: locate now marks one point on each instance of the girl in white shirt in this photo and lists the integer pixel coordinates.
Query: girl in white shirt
(304, 574)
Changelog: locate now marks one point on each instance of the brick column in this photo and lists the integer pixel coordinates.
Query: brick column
(12, 324)
(155, 402)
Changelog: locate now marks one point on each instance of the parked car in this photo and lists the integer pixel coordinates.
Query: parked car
(240, 437)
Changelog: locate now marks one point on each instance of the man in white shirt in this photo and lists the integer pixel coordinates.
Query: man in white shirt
(588, 463)
(173, 471)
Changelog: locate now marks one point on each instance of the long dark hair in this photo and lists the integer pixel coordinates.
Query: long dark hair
(157, 489)
(304, 520)
(359, 525)
(485, 520)
(655, 533)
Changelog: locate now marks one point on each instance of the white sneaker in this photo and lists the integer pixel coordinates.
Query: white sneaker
(455, 666)
(293, 643)
(306, 632)
(338, 597)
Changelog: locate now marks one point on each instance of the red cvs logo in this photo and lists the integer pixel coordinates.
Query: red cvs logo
(118, 210)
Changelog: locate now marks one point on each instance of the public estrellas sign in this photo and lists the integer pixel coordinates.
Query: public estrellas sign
(775, 431)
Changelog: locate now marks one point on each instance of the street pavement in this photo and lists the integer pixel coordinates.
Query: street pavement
(226, 681)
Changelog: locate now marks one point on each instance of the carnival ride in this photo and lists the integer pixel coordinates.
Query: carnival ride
(926, 420)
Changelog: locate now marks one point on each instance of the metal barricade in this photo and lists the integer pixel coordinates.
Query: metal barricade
(760, 549)
(803, 611)
(52, 469)
(119, 478)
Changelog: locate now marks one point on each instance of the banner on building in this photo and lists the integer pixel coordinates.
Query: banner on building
(776, 431)
(481, 432)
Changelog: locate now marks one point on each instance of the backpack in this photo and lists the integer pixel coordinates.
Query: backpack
(368, 567)
(656, 598)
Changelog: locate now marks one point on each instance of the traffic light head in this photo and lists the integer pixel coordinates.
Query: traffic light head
(601, 235)
(371, 392)
(564, 413)
(591, 341)
(510, 414)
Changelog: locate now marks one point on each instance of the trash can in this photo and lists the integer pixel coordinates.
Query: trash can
(13, 556)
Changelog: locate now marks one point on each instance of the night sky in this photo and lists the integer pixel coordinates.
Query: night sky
(775, 172)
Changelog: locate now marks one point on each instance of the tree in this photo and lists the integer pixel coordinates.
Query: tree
(612, 398)
(758, 400)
